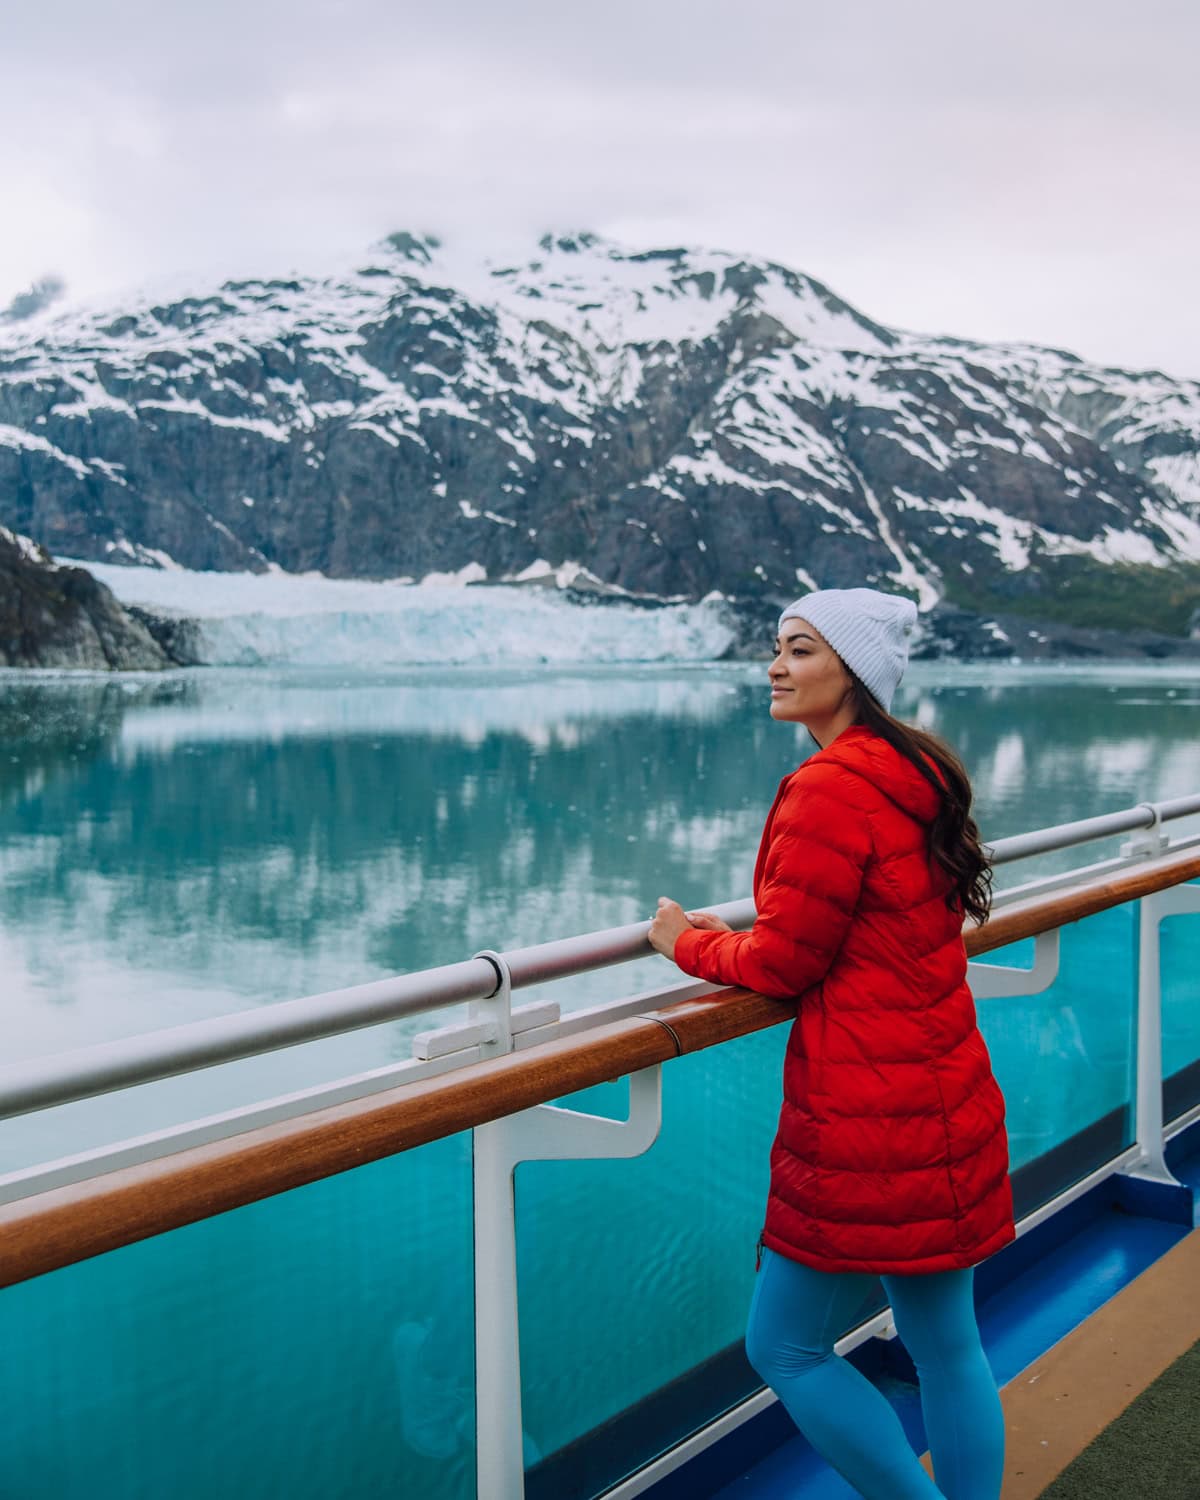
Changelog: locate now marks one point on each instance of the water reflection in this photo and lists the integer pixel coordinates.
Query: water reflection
(350, 829)
(181, 846)
(287, 834)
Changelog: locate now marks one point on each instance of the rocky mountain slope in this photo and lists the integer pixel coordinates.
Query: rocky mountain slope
(676, 421)
(53, 616)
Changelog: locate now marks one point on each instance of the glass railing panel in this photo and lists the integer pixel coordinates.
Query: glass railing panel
(636, 1275)
(1180, 974)
(312, 1345)
(1064, 1059)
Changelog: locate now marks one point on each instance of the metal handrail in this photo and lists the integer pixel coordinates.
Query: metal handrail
(72, 1223)
(1087, 830)
(66, 1077)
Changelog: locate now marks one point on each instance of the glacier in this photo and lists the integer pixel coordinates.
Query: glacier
(281, 619)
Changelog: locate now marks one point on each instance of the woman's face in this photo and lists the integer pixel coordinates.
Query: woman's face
(809, 684)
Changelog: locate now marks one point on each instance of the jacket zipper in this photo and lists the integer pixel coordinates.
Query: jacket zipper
(758, 1254)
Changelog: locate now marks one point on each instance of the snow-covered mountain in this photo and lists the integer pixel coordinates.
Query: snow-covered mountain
(674, 421)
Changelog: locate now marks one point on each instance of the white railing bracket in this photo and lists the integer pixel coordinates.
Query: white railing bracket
(544, 1133)
(528, 1024)
(1146, 842)
(1174, 901)
(991, 981)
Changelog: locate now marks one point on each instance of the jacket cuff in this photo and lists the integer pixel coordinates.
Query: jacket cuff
(688, 948)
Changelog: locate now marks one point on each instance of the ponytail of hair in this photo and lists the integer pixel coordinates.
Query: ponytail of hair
(954, 843)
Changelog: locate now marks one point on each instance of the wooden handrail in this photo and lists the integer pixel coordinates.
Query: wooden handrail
(68, 1224)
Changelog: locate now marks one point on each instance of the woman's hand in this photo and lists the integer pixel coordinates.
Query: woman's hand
(671, 919)
(707, 922)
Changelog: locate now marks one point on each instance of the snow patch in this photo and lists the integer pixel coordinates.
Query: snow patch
(1179, 474)
(17, 437)
(1184, 531)
(472, 572)
(1011, 537)
(178, 407)
(27, 547)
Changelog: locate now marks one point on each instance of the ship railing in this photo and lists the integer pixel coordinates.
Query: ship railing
(495, 1072)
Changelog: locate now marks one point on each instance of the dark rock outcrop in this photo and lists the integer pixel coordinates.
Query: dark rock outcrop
(53, 616)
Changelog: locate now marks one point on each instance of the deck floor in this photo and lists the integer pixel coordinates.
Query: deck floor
(1062, 1402)
(1152, 1448)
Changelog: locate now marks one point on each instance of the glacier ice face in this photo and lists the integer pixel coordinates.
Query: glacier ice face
(248, 619)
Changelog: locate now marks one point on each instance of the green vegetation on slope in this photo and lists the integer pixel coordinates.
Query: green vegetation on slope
(1079, 591)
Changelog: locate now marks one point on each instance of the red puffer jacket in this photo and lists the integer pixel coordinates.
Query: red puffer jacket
(891, 1154)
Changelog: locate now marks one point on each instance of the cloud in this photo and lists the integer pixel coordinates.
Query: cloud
(1023, 171)
(44, 291)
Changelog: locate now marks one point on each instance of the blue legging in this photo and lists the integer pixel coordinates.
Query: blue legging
(795, 1316)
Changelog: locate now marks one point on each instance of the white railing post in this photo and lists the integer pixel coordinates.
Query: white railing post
(1148, 1109)
(544, 1133)
(499, 1444)
(1174, 901)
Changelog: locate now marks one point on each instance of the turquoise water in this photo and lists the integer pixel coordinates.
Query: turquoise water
(185, 846)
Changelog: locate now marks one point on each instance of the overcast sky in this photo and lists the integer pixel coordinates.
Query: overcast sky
(1011, 170)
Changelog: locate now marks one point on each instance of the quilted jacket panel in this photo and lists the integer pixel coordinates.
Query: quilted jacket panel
(891, 1153)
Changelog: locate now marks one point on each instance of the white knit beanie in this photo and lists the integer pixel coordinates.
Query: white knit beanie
(867, 629)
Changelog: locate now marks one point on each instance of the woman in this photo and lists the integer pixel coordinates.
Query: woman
(891, 1157)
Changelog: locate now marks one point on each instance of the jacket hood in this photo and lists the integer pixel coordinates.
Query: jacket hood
(868, 755)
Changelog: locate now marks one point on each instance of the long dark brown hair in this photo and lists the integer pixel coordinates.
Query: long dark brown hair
(954, 842)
